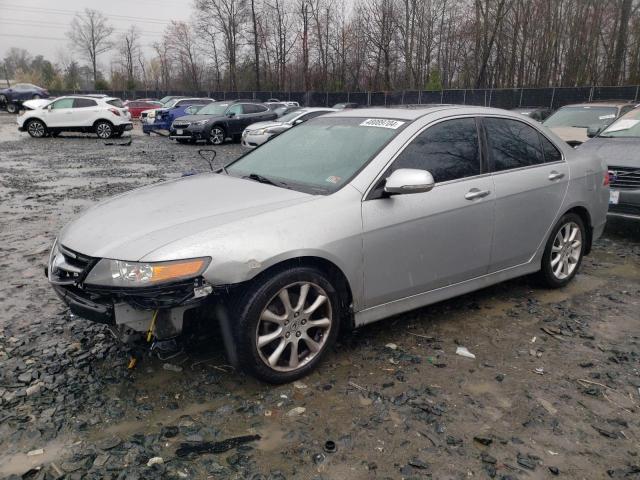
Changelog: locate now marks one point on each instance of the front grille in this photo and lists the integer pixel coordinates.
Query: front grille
(70, 267)
(183, 124)
(624, 177)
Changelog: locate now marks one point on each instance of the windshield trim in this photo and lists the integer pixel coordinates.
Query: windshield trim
(315, 190)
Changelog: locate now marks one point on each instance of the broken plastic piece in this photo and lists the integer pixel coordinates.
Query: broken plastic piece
(132, 363)
(463, 352)
(330, 446)
(214, 447)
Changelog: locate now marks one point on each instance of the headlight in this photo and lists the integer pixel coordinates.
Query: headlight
(151, 114)
(201, 122)
(119, 273)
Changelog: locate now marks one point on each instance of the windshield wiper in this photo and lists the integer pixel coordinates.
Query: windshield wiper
(261, 179)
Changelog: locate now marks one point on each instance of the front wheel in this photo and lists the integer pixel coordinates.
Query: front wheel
(12, 107)
(564, 251)
(286, 323)
(104, 130)
(217, 135)
(37, 129)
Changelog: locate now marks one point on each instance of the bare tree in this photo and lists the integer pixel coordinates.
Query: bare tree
(90, 34)
(130, 51)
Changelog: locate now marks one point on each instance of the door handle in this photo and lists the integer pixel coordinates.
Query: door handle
(555, 175)
(476, 193)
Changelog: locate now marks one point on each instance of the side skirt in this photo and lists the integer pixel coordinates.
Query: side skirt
(395, 307)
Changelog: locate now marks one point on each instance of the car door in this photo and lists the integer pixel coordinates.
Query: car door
(235, 122)
(60, 113)
(84, 112)
(530, 178)
(418, 242)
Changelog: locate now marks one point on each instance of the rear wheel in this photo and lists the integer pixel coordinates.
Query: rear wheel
(217, 135)
(564, 251)
(12, 107)
(37, 128)
(286, 324)
(104, 129)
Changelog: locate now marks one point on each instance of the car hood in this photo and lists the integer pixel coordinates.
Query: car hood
(36, 103)
(132, 225)
(268, 124)
(619, 152)
(571, 134)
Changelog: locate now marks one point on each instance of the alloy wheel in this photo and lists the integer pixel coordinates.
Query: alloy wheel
(36, 129)
(566, 250)
(103, 130)
(294, 326)
(217, 135)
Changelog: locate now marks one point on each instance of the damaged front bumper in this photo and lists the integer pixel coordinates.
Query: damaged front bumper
(127, 311)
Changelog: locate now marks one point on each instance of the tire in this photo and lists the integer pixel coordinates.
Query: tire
(12, 107)
(217, 135)
(313, 333)
(36, 96)
(563, 252)
(37, 129)
(104, 130)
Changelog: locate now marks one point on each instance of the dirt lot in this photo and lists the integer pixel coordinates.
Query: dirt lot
(554, 388)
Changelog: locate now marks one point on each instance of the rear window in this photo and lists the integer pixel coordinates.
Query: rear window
(582, 117)
(116, 102)
(512, 144)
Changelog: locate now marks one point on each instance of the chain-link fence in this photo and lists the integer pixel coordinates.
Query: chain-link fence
(501, 97)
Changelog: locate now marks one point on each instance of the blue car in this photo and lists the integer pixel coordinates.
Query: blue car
(162, 118)
(20, 92)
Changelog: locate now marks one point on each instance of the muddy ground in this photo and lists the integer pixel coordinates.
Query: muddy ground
(553, 390)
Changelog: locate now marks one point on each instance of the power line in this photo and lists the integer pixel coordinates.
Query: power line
(57, 11)
(38, 25)
(32, 36)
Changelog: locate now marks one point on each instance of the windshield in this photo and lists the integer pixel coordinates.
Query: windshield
(320, 155)
(627, 126)
(581, 117)
(291, 116)
(213, 109)
(165, 100)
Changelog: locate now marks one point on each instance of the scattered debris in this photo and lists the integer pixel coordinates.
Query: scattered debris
(296, 411)
(34, 453)
(155, 461)
(539, 371)
(391, 346)
(463, 352)
(172, 368)
(484, 440)
(330, 446)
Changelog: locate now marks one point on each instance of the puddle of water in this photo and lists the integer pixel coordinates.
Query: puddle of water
(19, 463)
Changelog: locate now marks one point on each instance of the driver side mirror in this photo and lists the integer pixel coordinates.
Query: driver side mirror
(49, 107)
(594, 130)
(409, 180)
(231, 114)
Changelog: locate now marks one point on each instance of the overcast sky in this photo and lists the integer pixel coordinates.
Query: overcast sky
(39, 26)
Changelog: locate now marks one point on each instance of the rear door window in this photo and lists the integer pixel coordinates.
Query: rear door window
(83, 103)
(551, 152)
(449, 150)
(512, 144)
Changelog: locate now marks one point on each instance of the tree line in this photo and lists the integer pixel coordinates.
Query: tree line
(331, 45)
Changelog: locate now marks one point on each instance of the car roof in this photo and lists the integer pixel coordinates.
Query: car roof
(614, 103)
(315, 109)
(412, 114)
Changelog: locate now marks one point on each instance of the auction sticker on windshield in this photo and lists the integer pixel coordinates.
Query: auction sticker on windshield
(382, 123)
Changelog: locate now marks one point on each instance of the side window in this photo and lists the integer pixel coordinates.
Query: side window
(449, 150)
(625, 109)
(237, 109)
(83, 103)
(63, 103)
(311, 115)
(250, 108)
(512, 144)
(551, 153)
(260, 108)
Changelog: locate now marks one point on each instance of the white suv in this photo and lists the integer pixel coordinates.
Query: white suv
(105, 116)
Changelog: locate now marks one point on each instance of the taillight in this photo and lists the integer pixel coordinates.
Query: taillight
(607, 179)
(116, 112)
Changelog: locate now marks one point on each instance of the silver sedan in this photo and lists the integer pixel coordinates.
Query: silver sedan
(345, 220)
(258, 133)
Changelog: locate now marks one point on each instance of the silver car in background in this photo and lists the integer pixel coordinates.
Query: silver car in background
(342, 221)
(258, 133)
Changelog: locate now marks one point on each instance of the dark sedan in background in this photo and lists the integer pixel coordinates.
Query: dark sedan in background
(10, 97)
(219, 121)
(162, 118)
(619, 146)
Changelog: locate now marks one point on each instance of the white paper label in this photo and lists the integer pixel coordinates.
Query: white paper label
(382, 123)
(178, 132)
(614, 196)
